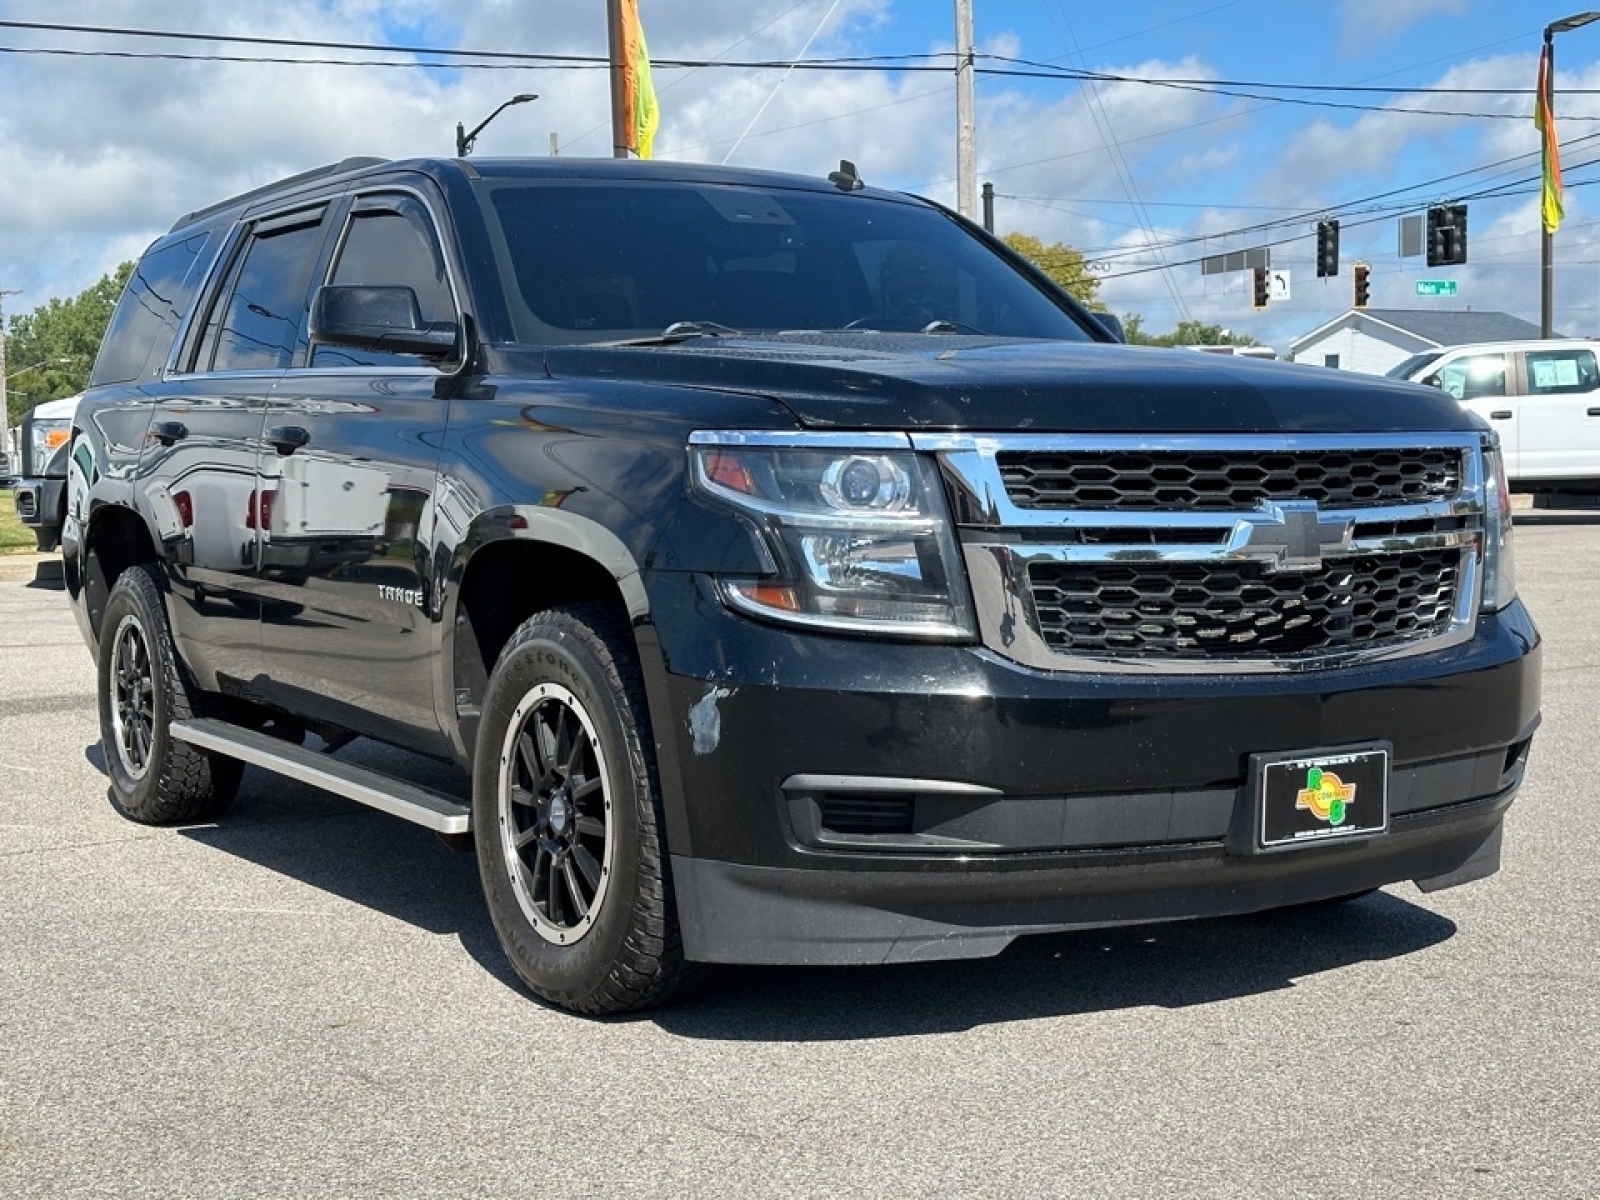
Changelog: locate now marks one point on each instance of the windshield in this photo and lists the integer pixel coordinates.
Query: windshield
(590, 261)
(1408, 368)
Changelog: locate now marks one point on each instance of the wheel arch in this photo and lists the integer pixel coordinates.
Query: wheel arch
(515, 562)
(115, 539)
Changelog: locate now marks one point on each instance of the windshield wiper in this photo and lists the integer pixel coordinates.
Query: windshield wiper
(883, 324)
(680, 331)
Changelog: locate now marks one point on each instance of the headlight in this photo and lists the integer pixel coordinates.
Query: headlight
(48, 437)
(1499, 574)
(859, 538)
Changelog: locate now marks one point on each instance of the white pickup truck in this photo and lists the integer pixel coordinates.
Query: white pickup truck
(42, 476)
(1541, 397)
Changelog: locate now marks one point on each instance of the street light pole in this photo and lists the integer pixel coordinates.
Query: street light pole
(1547, 241)
(464, 140)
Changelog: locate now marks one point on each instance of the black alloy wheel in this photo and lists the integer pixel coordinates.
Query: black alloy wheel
(555, 813)
(571, 840)
(155, 778)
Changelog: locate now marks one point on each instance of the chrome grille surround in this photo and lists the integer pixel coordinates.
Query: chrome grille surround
(1155, 480)
(1257, 576)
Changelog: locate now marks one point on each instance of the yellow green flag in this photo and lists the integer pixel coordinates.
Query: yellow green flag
(639, 93)
(1544, 120)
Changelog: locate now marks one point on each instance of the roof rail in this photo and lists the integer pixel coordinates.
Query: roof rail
(316, 173)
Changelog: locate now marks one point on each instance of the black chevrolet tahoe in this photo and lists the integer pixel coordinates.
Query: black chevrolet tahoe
(787, 571)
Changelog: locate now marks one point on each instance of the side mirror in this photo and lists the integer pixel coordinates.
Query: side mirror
(1112, 324)
(378, 318)
(1431, 381)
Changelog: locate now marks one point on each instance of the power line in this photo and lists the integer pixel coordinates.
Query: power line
(1525, 191)
(1363, 206)
(941, 62)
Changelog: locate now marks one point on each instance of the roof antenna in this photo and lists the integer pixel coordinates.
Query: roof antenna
(845, 178)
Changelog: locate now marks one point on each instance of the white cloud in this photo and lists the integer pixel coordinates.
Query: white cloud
(1365, 24)
(113, 150)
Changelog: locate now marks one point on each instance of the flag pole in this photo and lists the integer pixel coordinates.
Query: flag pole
(1547, 263)
(619, 114)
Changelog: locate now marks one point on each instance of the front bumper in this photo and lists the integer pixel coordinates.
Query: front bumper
(39, 505)
(832, 800)
(735, 913)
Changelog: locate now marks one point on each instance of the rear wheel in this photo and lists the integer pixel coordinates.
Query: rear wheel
(155, 779)
(568, 817)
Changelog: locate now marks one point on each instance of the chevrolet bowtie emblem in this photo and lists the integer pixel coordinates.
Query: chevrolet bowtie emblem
(1289, 535)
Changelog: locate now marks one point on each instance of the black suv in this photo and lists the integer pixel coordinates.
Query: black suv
(793, 573)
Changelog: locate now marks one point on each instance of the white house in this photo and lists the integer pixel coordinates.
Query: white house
(1375, 339)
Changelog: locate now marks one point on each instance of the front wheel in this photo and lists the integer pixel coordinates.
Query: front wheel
(568, 817)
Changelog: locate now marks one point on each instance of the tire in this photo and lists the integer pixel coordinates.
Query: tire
(155, 779)
(567, 809)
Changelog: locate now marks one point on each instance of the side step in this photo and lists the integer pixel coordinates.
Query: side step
(424, 806)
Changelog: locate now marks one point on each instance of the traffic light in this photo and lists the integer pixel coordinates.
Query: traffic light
(1363, 287)
(1447, 235)
(1263, 286)
(1327, 249)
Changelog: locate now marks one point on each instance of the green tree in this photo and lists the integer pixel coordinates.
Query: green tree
(1133, 330)
(1061, 262)
(1188, 333)
(52, 349)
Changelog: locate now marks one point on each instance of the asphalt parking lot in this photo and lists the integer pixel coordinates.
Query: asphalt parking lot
(307, 999)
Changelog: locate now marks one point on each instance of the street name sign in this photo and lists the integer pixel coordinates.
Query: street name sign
(1436, 287)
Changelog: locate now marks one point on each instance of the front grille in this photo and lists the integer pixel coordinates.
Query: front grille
(1217, 552)
(1243, 610)
(1152, 481)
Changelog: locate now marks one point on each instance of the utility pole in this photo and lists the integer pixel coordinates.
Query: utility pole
(5, 390)
(966, 123)
(619, 54)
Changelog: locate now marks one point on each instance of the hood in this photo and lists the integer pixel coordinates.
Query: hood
(56, 410)
(851, 380)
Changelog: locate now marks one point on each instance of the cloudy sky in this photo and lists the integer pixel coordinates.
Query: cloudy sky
(105, 138)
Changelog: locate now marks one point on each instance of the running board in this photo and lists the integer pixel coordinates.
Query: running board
(434, 810)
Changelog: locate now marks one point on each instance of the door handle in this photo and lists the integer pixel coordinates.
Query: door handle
(286, 439)
(1594, 412)
(168, 432)
(1504, 414)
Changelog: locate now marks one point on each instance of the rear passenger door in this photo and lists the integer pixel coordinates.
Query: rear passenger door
(351, 447)
(200, 464)
(1559, 422)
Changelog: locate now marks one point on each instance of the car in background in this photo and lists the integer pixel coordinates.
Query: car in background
(41, 490)
(1541, 397)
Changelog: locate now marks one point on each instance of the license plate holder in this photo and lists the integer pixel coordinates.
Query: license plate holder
(1313, 797)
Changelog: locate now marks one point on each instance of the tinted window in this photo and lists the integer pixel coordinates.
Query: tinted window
(147, 317)
(391, 248)
(1560, 372)
(260, 325)
(1474, 376)
(1410, 367)
(595, 260)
